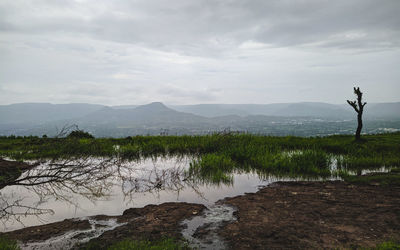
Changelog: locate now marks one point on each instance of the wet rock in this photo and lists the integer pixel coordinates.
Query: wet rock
(151, 222)
(47, 231)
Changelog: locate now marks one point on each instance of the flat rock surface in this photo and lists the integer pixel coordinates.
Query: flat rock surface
(151, 222)
(317, 215)
(44, 232)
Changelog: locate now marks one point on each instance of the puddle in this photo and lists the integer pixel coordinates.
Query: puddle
(54, 191)
(201, 231)
(111, 189)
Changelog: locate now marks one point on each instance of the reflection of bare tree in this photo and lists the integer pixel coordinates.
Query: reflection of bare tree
(60, 180)
(156, 179)
(92, 178)
(13, 209)
(86, 176)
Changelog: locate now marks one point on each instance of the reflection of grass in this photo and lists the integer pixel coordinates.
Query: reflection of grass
(213, 168)
(373, 161)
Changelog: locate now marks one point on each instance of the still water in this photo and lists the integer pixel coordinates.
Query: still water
(55, 191)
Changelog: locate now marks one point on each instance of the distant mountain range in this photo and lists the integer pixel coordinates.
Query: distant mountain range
(307, 118)
(309, 109)
(34, 113)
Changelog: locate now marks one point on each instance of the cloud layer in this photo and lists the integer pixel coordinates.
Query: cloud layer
(190, 51)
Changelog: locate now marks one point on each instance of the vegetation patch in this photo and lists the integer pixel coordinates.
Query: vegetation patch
(386, 179)
(7, 244)
(388, 245)
(165, 244)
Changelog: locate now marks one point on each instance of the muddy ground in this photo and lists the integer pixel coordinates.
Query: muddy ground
(314, 215)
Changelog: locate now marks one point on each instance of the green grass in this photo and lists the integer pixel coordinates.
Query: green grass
(385, 179)
(128, 244)
(383, 147)
(7, 244)
(388, 245)
(218, 168)
(166, 244)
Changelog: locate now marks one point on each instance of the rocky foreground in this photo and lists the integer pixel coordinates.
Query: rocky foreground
(303, 215)
(315, 215)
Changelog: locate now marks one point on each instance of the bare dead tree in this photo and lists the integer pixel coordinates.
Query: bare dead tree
(65, 130)
(358, 106)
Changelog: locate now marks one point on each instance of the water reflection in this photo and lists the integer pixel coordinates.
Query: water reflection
(60, 189)
(60, 180)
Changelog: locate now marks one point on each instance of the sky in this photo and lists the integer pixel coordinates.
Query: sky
(198, 51)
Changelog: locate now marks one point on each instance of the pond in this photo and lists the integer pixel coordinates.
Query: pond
(57, 190)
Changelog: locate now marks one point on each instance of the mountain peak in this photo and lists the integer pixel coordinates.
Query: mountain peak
(156, 104)
(153, 107)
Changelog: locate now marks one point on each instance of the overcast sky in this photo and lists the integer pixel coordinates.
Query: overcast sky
(198, 51)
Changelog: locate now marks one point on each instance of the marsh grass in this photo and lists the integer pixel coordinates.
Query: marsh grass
(219, 168)
(215, 157)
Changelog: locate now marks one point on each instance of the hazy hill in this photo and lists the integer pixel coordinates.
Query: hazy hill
(211, 110)
(383, 110)
(125, 106)
(150, 114)
(389, 110)
(34, 113)
(314, 109)
(277, 119)
(311, 109)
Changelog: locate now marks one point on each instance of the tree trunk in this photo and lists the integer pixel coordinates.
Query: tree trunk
(359, 126)
(358, 106)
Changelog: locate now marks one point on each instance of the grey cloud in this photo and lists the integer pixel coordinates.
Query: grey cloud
(182, 93)
(188, 51)
(198, 27)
